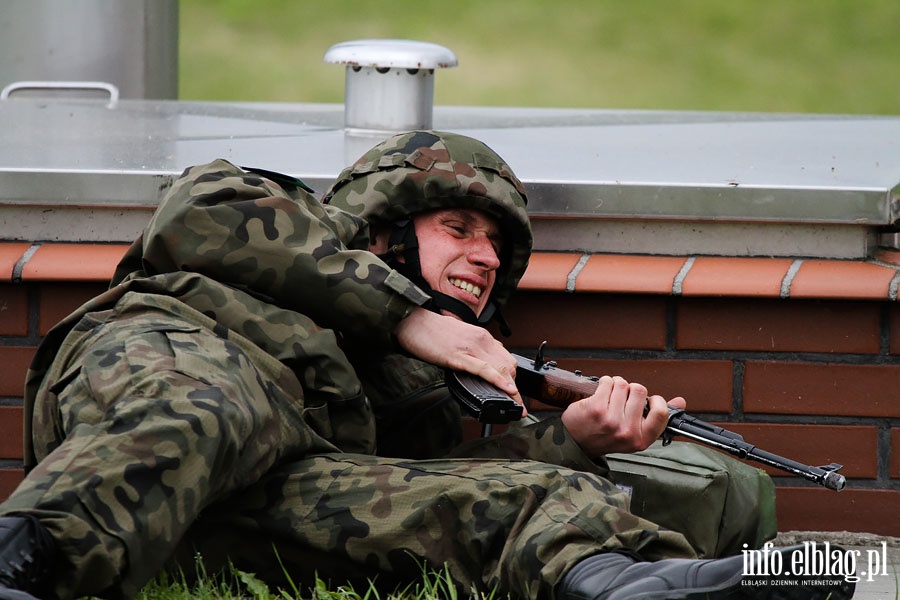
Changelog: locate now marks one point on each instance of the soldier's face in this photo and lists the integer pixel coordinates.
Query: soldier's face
(459, 252)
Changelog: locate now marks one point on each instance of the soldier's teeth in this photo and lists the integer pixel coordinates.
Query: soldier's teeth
(468, 287)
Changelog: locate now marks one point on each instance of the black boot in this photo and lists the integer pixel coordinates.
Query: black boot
(26, 558)
(615, 576)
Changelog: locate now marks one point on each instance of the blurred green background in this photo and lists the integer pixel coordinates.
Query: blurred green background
(817, 56)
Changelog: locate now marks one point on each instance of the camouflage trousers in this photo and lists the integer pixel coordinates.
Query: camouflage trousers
(166, 440)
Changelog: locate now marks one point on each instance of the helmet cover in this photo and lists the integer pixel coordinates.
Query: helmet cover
(419, 171)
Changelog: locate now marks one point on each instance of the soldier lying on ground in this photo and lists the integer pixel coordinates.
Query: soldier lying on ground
(265, 375)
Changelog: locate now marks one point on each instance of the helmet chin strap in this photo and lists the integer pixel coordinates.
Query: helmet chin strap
(403, 242)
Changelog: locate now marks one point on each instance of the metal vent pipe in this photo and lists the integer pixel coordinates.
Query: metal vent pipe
(389, 83)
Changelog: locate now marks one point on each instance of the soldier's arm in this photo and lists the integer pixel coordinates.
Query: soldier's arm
(276, 240)
(449, 342)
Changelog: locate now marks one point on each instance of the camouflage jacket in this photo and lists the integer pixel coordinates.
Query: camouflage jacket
(267, 261)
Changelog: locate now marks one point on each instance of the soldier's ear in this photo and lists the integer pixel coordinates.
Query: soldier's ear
(378, 238)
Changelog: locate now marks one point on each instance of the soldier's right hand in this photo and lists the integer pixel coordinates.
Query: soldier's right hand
(448, 342)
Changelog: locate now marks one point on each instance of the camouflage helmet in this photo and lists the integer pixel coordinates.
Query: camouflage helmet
(419, 171)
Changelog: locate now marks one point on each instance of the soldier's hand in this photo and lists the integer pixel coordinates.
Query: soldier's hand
(446, 341)
(618, 417)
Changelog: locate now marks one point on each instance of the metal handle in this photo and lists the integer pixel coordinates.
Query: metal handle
(109, 88)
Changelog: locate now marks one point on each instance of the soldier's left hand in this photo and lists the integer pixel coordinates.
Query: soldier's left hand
(619, 417)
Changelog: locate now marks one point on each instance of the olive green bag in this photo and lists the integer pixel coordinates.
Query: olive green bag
(716, 501)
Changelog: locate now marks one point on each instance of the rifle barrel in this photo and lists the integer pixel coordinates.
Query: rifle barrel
(558, 387)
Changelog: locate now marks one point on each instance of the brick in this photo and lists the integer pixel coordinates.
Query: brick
(853, 446)
(731, 276)
(894, 328)
(10, 254)
(819, 509)
(841, 279)
(15, 361)
(9, 480)
(74, 262)
(13, 309)
(567, 320)
(763, 325)
(629, 274)
(821, 389)
(57, 300)
(895, 453)
(548, 271)
(705, 384)
(11, 433)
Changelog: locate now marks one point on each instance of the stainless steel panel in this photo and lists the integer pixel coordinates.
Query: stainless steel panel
(580, 166)
(131, 44)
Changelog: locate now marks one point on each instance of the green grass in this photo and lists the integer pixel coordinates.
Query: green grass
(240, 585)
(823, 56)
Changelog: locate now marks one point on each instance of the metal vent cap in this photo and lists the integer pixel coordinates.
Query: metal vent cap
(387, 53)
(389, 83)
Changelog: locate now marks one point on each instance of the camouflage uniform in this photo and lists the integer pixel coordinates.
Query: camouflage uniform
(229, 395)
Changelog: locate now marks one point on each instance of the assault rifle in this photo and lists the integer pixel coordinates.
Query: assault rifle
(544, 381)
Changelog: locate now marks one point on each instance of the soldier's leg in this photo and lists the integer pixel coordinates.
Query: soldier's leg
(155, 423)
(517, 526)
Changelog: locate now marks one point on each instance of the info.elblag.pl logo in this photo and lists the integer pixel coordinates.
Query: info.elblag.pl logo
(813, 560)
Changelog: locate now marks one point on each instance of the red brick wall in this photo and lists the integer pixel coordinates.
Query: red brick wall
(814, 379)
(817, 381)
(27, 311)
